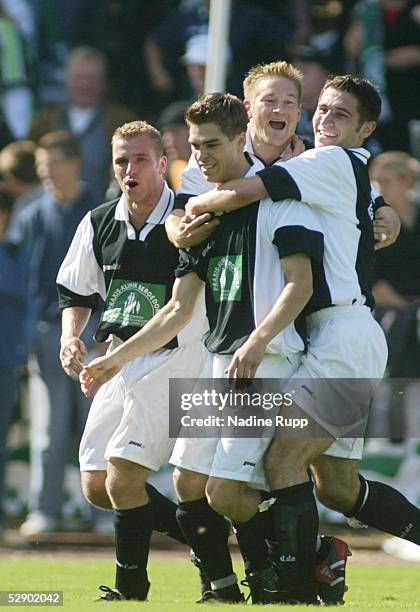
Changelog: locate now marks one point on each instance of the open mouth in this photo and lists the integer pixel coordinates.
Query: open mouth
(278, 125)
(130, 183)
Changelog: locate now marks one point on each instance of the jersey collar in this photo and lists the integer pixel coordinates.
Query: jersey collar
(158, 214)
(362, 154)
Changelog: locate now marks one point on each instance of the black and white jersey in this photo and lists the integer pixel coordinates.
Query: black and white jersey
(334, 182)
(241, 266)
(133, 271)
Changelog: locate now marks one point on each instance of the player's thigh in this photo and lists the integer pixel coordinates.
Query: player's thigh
(142, 435)
(104, 417)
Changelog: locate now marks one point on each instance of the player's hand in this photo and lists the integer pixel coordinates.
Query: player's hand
(386, 227)
(295, 148)
(246, 360)
(197, 205)
(98, 372)
(72, 353)
(194, 230)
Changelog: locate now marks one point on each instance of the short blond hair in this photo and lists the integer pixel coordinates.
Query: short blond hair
(405, 166)
(274, 69)
(138, 128)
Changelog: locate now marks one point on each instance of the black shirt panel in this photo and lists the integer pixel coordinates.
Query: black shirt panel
(145, 266)
(227, 266)
(365, 262)
(279, 184)
(298, 239)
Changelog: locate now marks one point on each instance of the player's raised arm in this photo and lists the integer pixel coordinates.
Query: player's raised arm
(227, 197)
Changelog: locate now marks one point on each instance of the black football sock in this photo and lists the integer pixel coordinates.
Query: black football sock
(296, 521)
(384, 508)
(133, 529)
(164, 514)
(207, 533)
(269, 528)
(252, 544)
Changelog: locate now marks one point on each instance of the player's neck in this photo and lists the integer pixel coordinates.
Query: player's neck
(266, 152)
(139, 211)
(237, 170)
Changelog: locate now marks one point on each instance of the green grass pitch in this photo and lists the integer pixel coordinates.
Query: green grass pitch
(175, 585)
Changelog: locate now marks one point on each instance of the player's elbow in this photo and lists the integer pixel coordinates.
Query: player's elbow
(182, 311)
(307, 287)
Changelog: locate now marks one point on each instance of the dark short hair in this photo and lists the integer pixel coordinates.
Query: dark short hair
(223, 109)
(18, 159)
(60, 140)
(367, 95)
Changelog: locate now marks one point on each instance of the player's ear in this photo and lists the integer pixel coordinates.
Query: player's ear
(163, 162)
(368, 128)
(247, 106)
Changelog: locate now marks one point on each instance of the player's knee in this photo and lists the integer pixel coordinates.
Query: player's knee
(224, 497)
(339, 496)
(189, 485)
(126, 483)
(94, 490)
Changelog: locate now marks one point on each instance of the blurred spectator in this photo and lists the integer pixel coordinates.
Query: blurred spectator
(131, 23)
(22, 13)
(384, 38)
(396, 175)
(14, 269)
(397, 287)
(16, 94)
(47, 227)
(88, 116)
(175, 133)
(329, 20)
(61, 26)
(195, 60)
(315, 66)
(256, 36)
(18, 172)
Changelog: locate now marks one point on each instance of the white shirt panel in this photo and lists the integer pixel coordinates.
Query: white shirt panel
(326, 180)
(79, 271)
(270, 279)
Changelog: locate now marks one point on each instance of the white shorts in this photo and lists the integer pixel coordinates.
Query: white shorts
(345, 342)
(231, 458)
(129, 416)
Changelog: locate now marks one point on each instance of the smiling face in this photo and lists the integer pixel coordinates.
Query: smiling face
(138, 168)
(273, 109)
(219, 158)
(337, 120)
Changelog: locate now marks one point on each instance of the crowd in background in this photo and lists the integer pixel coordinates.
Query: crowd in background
(71, 71)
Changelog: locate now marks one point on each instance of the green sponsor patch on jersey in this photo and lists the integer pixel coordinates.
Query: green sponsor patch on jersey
(224, 275)
(132, 303)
